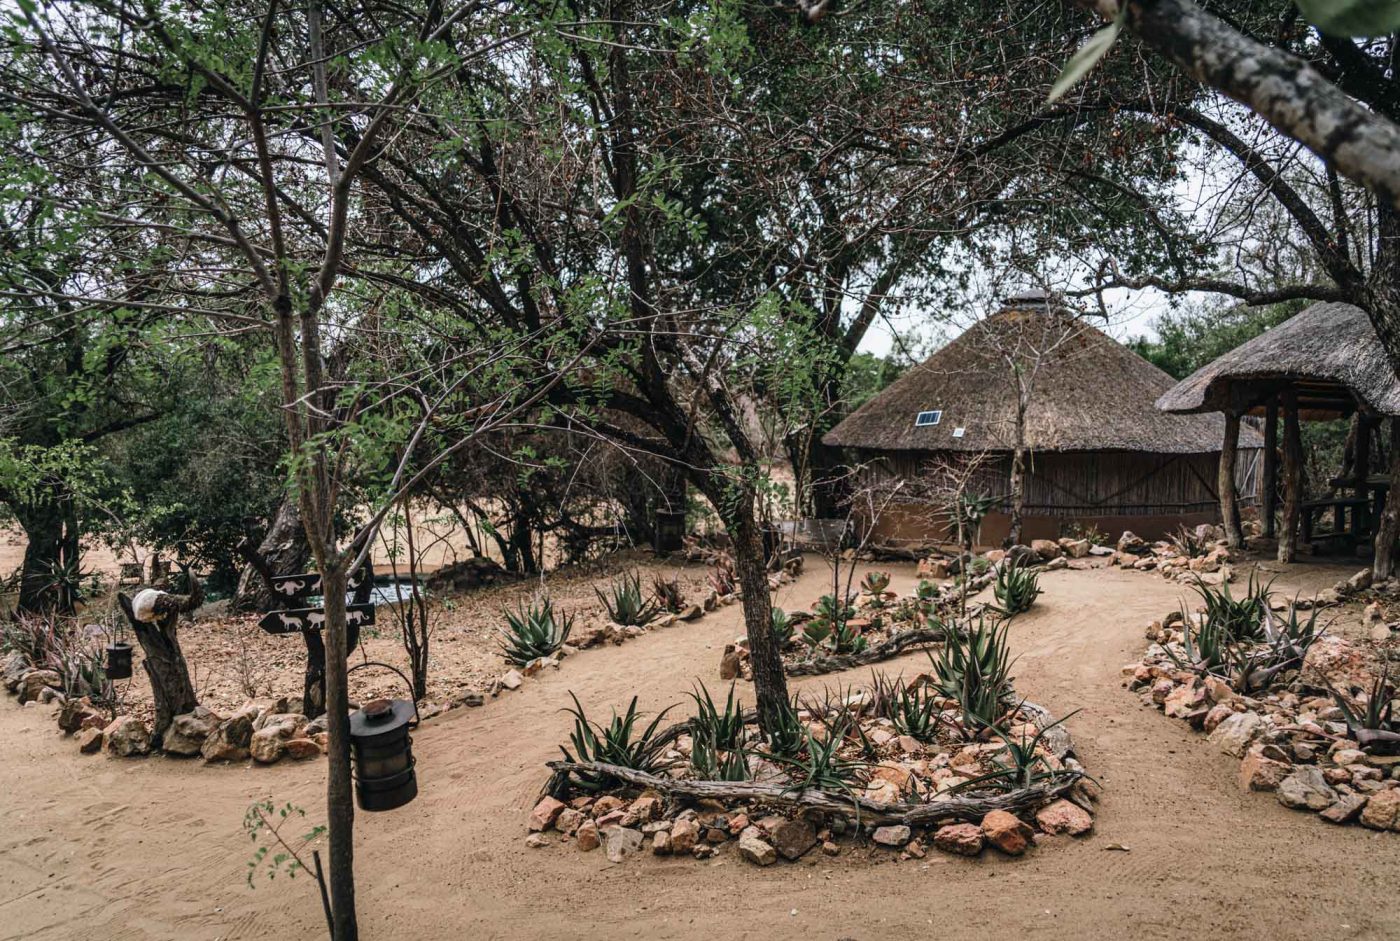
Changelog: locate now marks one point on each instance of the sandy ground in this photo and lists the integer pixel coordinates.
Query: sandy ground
(102, 848)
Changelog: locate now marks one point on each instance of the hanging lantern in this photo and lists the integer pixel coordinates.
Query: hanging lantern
(670, 531)
(383, 753)
(118, 661)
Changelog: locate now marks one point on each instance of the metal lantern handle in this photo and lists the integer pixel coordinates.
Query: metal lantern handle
(377, 663)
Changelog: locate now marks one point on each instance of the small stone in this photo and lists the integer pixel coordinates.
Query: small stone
(188, 732)
(1382, 811)
(568, 821)
(230, 739)
(1306, 789)
(33, 682)
(1261, 773)
(1007, 832)
(512, 680)
(1234, 734)
(606, 805)
(685, 834)
(302, 749)
(1064, 817)
(621, 842)
(755, 849)
(545, 813)
(536, 841)
(830, 849)
(90, 741)
(587, 836)
(661, 843)
(127, 737)
(793, 838)
(963, 839)
(1347, 808)
(267, 745)
(894, 836)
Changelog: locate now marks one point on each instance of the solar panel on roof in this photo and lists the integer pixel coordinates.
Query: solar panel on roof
(924, 419)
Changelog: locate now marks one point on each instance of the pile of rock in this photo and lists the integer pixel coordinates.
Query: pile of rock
(1291, 738)
(764, 835)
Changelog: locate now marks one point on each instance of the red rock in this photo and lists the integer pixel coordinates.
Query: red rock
(545, 813)
(90, 741)
(568, 821)
(1258, 773)
(646, 808)
(1007, 832)
(964, 839)
(685, 833)
(606, 805)
(587, 836)
(1382, 811)
(300, 749)
(1064, 817)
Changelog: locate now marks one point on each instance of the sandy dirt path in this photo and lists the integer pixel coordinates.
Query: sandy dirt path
(99, 848)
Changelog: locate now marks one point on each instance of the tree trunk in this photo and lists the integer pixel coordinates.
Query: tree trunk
(165, 665)
(1225, 481)
(340, 804)
(769, 681)
(50, 524)
(1268, 503)
(1292, 479)
(1017, 495)
(283, 551)
(1388, 527)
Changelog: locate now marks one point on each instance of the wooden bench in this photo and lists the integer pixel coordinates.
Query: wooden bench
(1359, 507)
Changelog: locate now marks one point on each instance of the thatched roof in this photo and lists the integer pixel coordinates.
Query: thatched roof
(1090, 393)
(1329, 353)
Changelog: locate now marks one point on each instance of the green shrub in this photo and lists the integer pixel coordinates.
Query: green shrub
(974, 668)
(1016, 588)
(618, 743)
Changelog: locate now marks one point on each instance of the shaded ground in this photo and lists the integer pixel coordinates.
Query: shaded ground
(96, 847)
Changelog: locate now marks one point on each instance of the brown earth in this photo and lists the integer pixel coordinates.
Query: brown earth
(104, 848)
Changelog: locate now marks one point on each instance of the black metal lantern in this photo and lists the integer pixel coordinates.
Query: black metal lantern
(670, 532)
(383, 752)
(118, 661)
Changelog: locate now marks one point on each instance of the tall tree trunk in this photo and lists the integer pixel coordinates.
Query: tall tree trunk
(164, 661)
(1225, 481)
(1268, 502)
(1292, 479)
(50, 524)
(340, 803)
(1017, 495)
(1388, 526)
(283, 551)
(769, 681)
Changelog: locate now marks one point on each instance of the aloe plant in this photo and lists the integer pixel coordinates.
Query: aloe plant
(974, 668)
(533, 631)
(1016, 588)
(915, 712)
(617, 743)
(1239, 618)
(819, 765)
(668, 593)
(625, 603)
(783, 627)
(1373, 727)
(1019, 765)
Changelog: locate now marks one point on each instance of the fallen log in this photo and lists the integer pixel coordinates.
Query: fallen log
(893, 647)
(972, 807)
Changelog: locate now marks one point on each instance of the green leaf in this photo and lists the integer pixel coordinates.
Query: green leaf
(1082, 62)
(1353, 18)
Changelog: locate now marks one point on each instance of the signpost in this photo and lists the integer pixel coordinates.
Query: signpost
(309, 622)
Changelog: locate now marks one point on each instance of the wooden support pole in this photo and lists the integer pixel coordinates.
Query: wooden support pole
(1360, 515)
(1292, 478)
(1268, 500)
(1225, 481)
(1388, 527)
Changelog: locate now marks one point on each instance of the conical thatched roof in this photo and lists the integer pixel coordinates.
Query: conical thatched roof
(1090, 393)
(1329, 353)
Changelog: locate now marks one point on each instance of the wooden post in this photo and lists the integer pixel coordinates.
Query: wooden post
(1292, 478)
(1388, 526)
(1225, 481)
(1268, 501)
(1361, 515)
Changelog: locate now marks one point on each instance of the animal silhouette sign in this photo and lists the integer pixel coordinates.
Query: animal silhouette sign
(295, 587)
(301, 620)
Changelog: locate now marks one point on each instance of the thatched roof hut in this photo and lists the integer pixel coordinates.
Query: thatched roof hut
(1092, 394)
(1102, 453)
(1322, 364)
(1329, 354)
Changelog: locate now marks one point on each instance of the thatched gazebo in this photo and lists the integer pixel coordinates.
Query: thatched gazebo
(1097, 451)
(1322, 364)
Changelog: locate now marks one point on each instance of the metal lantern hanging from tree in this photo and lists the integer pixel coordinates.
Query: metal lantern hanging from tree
(383, 750)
